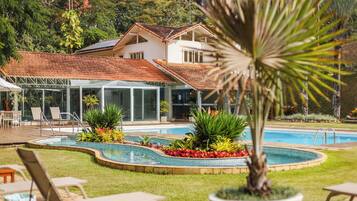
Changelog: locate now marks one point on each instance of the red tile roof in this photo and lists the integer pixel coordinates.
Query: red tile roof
(194, 75)
(49, 65)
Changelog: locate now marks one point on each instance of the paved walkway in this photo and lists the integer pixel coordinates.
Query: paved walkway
(21, 135)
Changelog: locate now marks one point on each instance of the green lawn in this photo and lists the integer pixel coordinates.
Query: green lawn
(297, 125)
(341, 166)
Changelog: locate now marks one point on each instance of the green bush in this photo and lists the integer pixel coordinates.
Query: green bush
(101, 135)
(110, 118)
(209, 128)
(226, 144)
(309, 118)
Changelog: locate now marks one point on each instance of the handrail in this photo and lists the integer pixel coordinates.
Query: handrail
(73, 116)
(325, 133)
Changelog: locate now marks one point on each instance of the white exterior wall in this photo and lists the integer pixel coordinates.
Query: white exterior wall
(154, 48)
(176, 47)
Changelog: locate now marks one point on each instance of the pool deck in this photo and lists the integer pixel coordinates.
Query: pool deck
(23, 134)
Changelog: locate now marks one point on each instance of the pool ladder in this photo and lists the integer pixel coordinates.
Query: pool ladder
(325, 132)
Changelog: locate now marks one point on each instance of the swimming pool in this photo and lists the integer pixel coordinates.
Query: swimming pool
(271, 135)
(126, 153)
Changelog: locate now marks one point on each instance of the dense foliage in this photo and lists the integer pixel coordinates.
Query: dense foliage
(213, 132)
(109, 118)
(39, 25)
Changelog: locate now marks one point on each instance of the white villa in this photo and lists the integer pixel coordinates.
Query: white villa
(147, 64)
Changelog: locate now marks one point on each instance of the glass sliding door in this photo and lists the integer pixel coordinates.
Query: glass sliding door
(75, 101)
(138, 105)
(119, 97)
(145, 104)
(150, 105)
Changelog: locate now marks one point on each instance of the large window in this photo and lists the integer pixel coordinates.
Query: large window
(137, 55)
(119, 97)
(55, 98)
(192, 56)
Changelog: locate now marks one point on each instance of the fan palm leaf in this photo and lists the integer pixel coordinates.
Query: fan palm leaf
(268, 44)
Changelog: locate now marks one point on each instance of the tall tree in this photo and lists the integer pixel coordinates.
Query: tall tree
(343, 10)
(23, 25)
(160, 12)
(71, 30)
(268, 42)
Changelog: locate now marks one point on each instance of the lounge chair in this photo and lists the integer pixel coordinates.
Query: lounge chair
(18, 168)
(49, 191)
(349, 189)
(56, 114)
(25, 186)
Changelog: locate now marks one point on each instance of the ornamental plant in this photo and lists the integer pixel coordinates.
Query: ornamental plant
(262, 45)
(164, 107)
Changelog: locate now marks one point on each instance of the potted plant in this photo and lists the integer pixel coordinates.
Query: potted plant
(164, 109)
(260, 46)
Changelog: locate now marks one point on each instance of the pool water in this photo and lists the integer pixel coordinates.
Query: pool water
(139, 155)
(282, 136)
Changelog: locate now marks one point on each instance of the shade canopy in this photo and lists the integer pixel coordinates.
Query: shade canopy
(7, 86)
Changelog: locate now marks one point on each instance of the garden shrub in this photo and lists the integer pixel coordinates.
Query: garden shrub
(309, 118)
(103, 125)
(208, 128)
(226, 144)
(110, 118)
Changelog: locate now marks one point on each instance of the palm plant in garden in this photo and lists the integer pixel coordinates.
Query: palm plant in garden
(263, 45)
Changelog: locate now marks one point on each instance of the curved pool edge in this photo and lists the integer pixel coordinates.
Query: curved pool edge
(161, 169)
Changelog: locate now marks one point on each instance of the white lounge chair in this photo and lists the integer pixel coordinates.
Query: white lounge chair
(49, 191)
(56, 115)
(25, 186)
(18, 168)
(349, 189)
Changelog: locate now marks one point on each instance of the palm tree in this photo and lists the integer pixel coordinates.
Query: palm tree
(267, 44)
(344, 11)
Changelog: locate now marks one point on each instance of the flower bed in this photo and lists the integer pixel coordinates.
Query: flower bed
(188, 153)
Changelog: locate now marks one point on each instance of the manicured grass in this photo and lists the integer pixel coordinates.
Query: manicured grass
(341, 166)
(297, 125)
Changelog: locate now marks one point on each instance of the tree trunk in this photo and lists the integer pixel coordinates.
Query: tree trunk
(336, 98)
(257, 180)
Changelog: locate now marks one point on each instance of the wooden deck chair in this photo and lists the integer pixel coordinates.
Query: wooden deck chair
(49, 191)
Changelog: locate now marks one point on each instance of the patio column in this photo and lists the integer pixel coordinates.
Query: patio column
(102, 98)
(16, 101)
(131, 104)
(81, 103)
(158, 103)
(199, 100)
(168, 98)
(68, 100)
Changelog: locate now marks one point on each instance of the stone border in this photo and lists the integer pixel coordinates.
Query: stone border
(161, 169)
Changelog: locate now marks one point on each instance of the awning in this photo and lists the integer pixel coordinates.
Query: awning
(7, 86)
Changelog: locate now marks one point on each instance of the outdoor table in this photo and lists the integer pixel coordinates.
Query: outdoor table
(7, 172)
